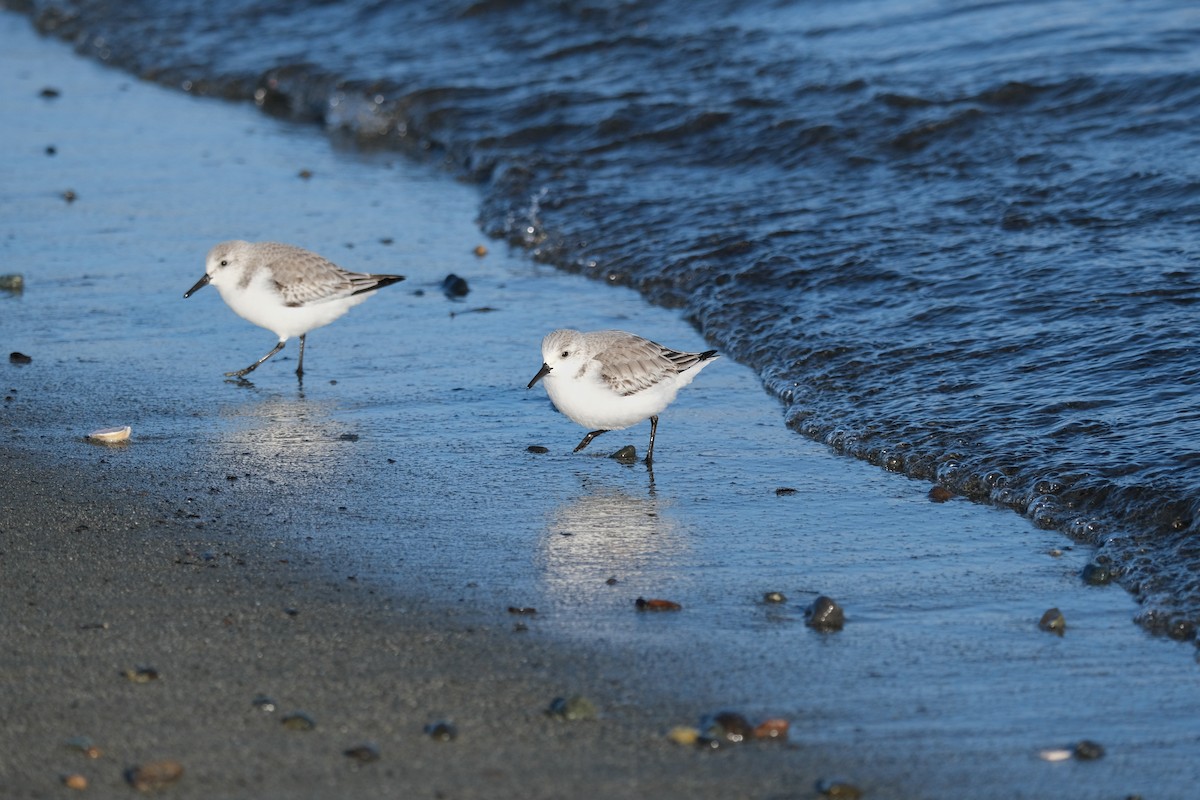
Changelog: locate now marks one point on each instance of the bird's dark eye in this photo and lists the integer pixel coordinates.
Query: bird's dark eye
(224, 262)
(565, 354)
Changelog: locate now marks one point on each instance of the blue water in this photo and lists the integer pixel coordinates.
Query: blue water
(958, 240)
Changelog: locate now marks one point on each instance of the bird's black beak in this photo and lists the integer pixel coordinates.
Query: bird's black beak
(543, 372)
(200, 284)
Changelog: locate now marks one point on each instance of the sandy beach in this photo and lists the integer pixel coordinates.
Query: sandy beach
(379, 550)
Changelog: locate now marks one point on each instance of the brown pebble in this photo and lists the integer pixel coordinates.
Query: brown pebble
(141, 674)
(839, 790)
(70, 196)
(656, 605)
(772, 729)
(20, 358)
(1053, 621)
(305, 174)
(154, 775)
(364, 753)
(480, 250)
(940, 494)
(75, 781)
(298, 721)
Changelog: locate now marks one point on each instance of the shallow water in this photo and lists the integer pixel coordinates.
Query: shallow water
(957, 240)
(402, 459)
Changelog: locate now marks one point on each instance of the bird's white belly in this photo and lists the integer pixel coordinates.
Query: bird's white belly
(593, 405)
(262, 306)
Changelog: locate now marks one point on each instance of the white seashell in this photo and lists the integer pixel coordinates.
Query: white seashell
(111, 434)
(1054, 754)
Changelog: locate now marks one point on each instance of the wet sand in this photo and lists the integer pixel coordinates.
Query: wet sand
(350, 547)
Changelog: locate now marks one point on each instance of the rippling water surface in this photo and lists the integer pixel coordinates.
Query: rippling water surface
(959, 240)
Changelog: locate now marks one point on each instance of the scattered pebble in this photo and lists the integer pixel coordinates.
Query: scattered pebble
(305, 174)
(537, 448)
(656, 605)
(772, 729)
(363, 753)
(774, 597)
(20, 358)
(838, 790)
(940, 494)
(141, 674)
(83, 745)
(441, 731)
(75, 781)
(824, 615)
(1095, 574)
(611, 581)
(522, 610)
(154, 775)
(784, 491)
(70, 196)
(264, 704)
(626, 455)
(1053, 621)
(1054, 553)
(12, 283)
(111, 435)
(572, 708)
(1087, 750)
(726, 727)
(51, 150)
(50, 92)
(480, 250)
(1054, 754)
(683, 735)
(298, 721)
(454, 286)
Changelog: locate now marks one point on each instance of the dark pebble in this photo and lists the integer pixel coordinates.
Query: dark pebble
(784, 491)
(70, 196)
(441, 731)
(643, 604)
(1086, 750)
(20, 358)
(626, 455)
(349, 437)
(537, 448)
(838, 790)
(824, 615)
(454, 286)
(726, 727)
(1053, 621)
(1096, 574)
(363, 753)
(522, 610)
(305, 174)
(50, 92)
(572, 708)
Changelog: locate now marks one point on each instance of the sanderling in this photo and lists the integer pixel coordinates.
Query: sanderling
(285, 289)
(610, 380)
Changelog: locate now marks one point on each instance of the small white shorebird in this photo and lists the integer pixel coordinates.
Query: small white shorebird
(285, 289)
(610, 380)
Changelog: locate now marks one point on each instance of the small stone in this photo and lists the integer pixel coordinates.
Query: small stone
(654, 604)
(454, 286)
(727, 727)
(1095, 574)
(480, 250)
(264, 704)
(537, 448)
(12, 283)
(70, 196)
(441, 731)
(772, 729)
(824, 615)
(50, 92)
(363, 753)
(838, 790)
(784, 491)
(611, 581)
(154, 775)
(527, 610)
(141, 674)
(626, 455)
(75, 781)
(83, 745)
(774, 597)
(1087, 750)
(20, 358)
(940, 494)
(1053, 621)
(683, 735)
(305, 174)
(572, 708)
(1054, 754)
(298, 721)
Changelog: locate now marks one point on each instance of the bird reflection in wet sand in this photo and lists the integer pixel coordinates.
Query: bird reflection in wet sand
(611, 380)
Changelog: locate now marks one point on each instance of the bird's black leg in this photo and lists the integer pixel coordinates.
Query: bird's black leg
(653, 429)
(243, 372)
(300, 366)
(588, 440)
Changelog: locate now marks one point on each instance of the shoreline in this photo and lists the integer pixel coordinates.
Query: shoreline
(350, 546)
